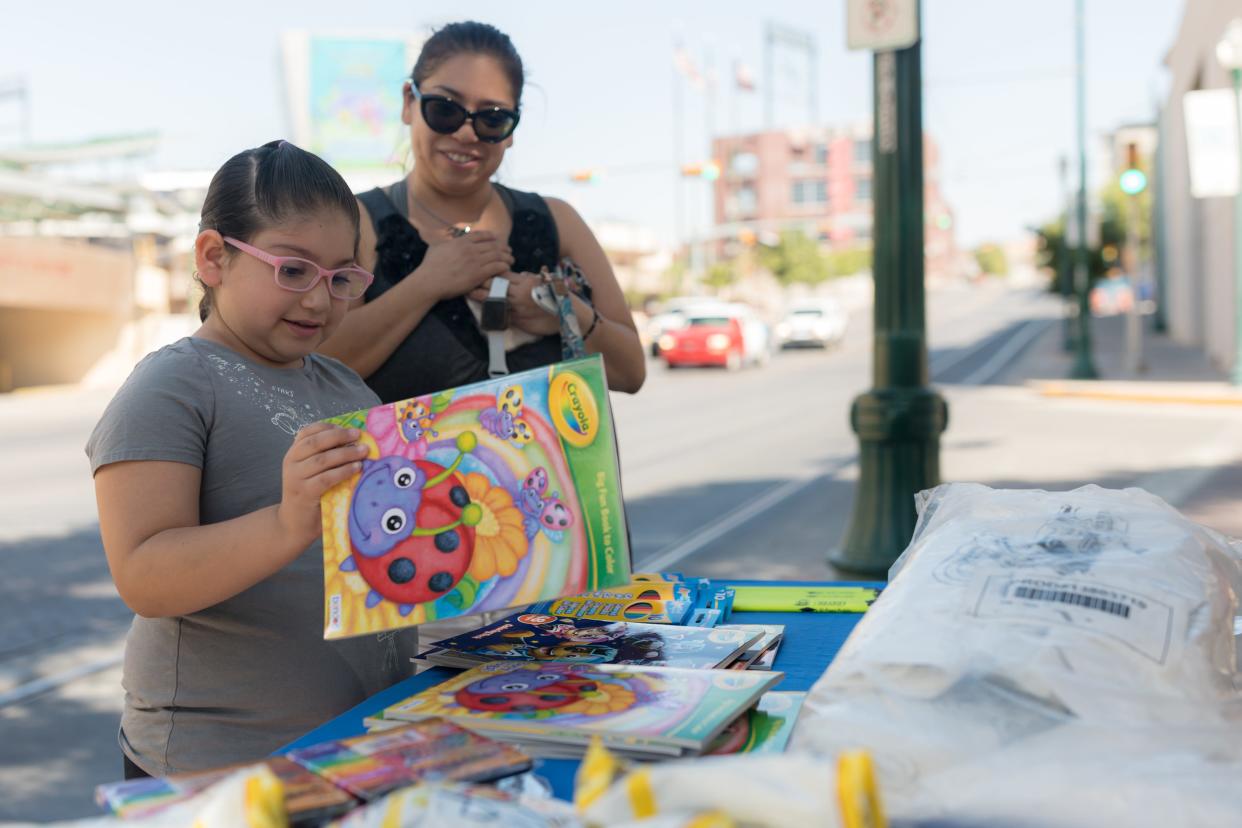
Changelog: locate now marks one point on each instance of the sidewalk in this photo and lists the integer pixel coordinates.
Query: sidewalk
(1175, 377)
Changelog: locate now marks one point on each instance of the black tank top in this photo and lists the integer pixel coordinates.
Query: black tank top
(447, 349)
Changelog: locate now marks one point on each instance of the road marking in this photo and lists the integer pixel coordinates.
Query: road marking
(43, 685)
(710, 532)
(1014, 346)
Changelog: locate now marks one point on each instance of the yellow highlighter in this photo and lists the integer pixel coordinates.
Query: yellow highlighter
(803, 599)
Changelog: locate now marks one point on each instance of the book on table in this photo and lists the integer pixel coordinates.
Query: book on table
(554, 708)
(765, 728)
(761, 652)
(493, 495)
(526, 636)
(309, 799)
(373, 764)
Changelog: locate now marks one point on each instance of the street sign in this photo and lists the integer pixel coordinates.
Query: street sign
(881, 25)
(1212, 142)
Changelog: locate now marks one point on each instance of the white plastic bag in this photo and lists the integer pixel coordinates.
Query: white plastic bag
(1036, 645)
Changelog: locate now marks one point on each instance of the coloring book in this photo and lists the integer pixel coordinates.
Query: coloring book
(533, 637)
(309, 799)
(765, 728)
(493, 495)
(371, 765)
(554, 708)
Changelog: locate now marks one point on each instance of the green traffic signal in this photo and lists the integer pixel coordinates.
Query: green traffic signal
(1133, 181)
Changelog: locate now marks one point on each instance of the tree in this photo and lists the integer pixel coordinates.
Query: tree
(849, 261)
(1052, 251)
(992, 260)
(796, 258)
(721, 274)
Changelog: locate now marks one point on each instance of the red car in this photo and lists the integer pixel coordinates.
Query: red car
(704, 340)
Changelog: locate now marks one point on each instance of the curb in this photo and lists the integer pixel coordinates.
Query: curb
(1141, 392)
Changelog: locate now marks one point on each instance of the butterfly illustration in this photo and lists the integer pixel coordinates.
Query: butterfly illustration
(415, 420)
(540, 511)
(505, 420)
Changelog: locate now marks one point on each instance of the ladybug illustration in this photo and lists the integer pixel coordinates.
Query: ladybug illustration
(521, 691)
(411, 528)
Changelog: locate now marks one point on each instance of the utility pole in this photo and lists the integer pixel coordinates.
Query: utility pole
(1159, 321)
(678, 186)
(1133, 182)
(1065, 270)
(1083, 367)
(1229, 53)
(899, 421)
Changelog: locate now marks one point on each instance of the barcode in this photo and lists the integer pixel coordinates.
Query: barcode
(1077, 599)
(334, 612)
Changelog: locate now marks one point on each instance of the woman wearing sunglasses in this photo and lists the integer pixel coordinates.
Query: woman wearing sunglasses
(437, 238)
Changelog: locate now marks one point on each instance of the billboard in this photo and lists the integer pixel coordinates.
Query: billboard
(344, 96)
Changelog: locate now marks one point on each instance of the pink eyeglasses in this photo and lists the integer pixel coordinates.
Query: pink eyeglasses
(300, 275)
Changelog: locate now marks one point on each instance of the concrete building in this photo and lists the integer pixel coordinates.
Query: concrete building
(818, 181)
(1201, 292)
(91, 273)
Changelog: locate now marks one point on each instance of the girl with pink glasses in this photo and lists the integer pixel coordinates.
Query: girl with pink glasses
(209, 464)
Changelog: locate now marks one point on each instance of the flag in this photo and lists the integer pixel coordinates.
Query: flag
(685, 65)
(743, 77)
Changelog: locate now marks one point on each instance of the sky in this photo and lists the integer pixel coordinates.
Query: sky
(998, 87)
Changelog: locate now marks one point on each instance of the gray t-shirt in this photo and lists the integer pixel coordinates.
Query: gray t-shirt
(237, 680)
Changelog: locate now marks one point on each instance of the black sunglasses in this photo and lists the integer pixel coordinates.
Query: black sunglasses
(445, 116)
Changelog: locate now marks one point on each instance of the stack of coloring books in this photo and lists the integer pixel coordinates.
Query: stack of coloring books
(553, 708)
(534, 637)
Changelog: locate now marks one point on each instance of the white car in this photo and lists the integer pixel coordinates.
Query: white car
(821, 324)
(672, 316)
(756, 335)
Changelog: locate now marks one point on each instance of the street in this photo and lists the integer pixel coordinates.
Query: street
(746, 474)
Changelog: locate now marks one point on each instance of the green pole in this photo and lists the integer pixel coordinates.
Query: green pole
(1065, 268)
(1237, 240)
(1159, 322)
(899, 421)
(1083, 367)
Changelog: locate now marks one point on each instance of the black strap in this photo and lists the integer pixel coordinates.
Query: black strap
(379, 206)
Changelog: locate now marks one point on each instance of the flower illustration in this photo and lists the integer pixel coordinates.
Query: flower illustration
(607, 697)
(499, 539)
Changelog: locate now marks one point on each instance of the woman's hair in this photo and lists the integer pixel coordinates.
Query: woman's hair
(260, 188)
(470, 37)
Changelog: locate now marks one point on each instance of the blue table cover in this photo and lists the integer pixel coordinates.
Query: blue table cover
(811, 641)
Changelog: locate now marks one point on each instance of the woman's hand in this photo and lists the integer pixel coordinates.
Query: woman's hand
(460, 264)
(321, 456)
(524, 313)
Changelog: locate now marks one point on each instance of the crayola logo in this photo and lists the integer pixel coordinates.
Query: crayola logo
(573, 409)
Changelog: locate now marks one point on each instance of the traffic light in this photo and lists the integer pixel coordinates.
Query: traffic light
(747, 237)
(707, 170)
(590, 176)
(1133, 180)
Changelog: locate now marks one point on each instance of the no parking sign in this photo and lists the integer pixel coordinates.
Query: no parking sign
(880, 25)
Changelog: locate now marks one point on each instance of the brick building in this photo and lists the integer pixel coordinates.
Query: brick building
(818, 181)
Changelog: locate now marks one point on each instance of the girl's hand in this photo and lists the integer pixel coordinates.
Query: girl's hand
(460, 264)
(321, 456)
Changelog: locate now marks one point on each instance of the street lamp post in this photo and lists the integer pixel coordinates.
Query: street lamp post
(899, 421)
(1229, 53)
